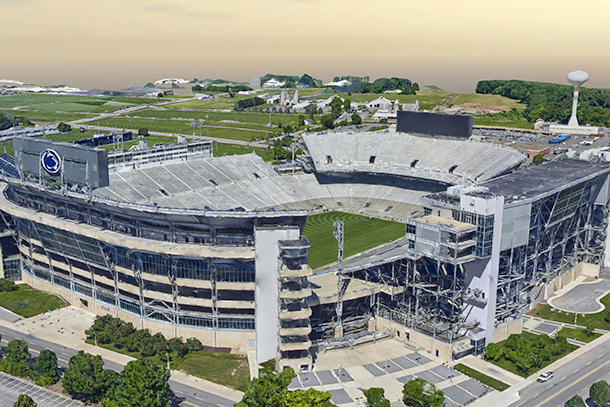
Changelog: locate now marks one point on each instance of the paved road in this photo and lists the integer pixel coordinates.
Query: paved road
(191, 396)
(582, 298)
(575, 377)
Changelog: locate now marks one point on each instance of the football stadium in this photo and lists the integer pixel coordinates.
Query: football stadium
(175, 240)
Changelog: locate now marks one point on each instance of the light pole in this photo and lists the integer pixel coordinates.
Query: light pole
(293, 148)
(339, 372)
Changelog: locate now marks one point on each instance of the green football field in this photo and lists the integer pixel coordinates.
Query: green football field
(361, 233)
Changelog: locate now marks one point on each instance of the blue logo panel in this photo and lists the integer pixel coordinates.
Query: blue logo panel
(50, 161)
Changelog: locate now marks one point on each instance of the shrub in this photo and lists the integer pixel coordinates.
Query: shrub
(63, 127)
(7, 285)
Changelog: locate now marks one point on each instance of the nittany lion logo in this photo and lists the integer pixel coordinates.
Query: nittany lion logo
(51, 161)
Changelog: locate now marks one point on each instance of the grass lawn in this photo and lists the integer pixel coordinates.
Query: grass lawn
(578, 334)
(511, 367)
(483, 378)
(226, 369)
(45, 116)
(221, 149)
(28, 302)
(515, 120)
(361, 233)
(597, 319)
(177, 126)
(152, 140)
(487, 100)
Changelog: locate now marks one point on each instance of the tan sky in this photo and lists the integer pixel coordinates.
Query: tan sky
(448, 43)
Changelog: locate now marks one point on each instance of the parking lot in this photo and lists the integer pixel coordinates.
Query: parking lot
(11, 388)
(345, 383)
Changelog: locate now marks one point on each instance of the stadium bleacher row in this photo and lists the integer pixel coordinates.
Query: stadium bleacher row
(246, 181)
(444, 160)
(7, 166)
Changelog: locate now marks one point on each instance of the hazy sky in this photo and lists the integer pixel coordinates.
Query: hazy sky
(448, 43)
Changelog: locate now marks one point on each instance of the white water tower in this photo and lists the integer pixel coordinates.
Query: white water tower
(576, 78)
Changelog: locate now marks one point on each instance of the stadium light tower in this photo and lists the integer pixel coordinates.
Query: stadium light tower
(576, 78)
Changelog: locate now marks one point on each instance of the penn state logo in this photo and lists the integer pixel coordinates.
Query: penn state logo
(50, 161)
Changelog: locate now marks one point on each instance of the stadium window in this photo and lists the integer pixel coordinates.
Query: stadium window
(411, 229)
(256, 175)
(214, 182)
(453, 167)
(411, 244)
(372, 160)
(329, 159)
(414, 162)
(164, 192)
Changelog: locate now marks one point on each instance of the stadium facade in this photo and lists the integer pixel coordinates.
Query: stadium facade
(187, 244)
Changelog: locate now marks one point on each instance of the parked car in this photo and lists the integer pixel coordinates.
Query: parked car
(545, 376)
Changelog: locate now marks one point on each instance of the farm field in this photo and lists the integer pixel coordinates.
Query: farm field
(509, 119)
(361, 233)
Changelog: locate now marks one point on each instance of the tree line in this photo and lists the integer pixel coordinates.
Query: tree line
(141, 383)
(551, 101)
(108, 330)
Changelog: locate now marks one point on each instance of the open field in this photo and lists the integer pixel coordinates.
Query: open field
(511, 367)
(70, 103)
(66, 137)
(578, 334)
(28, 302)
(509, 119)
(483, 378)
(177, 127)
(597, 320)
(50, 117)
(152, 140)
(221, 149)
(487, 101)
(217, 117)
(361, 233)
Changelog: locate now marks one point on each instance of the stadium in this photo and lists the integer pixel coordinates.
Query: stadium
(183, 243)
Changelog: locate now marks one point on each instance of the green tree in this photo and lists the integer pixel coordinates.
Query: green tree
(17, 356)
(24, 401)
(383, 121)
(194, 344)
(433, 397)
(356, 119)
(375, 396)
(413, 390)
(287, 129)
(538, 159)
(149, 85)
(7, 285)
(301, 120)
(415, 86)
(308, 398)
(6, 121)
(346, 105)
(143, 131)
(575, 401)
(493, 352)
(44, 369)
(85, 375)
(197, 88)
(143, 383)
(63, 127)
(589, 329)
(327, 121)
(176, 345)
(269, 390)
(336, 104)
(600, 392)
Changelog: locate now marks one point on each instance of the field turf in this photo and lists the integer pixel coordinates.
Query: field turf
(361, 233)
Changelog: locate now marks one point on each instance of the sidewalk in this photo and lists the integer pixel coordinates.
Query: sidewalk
(9, 316)
(66, 327)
